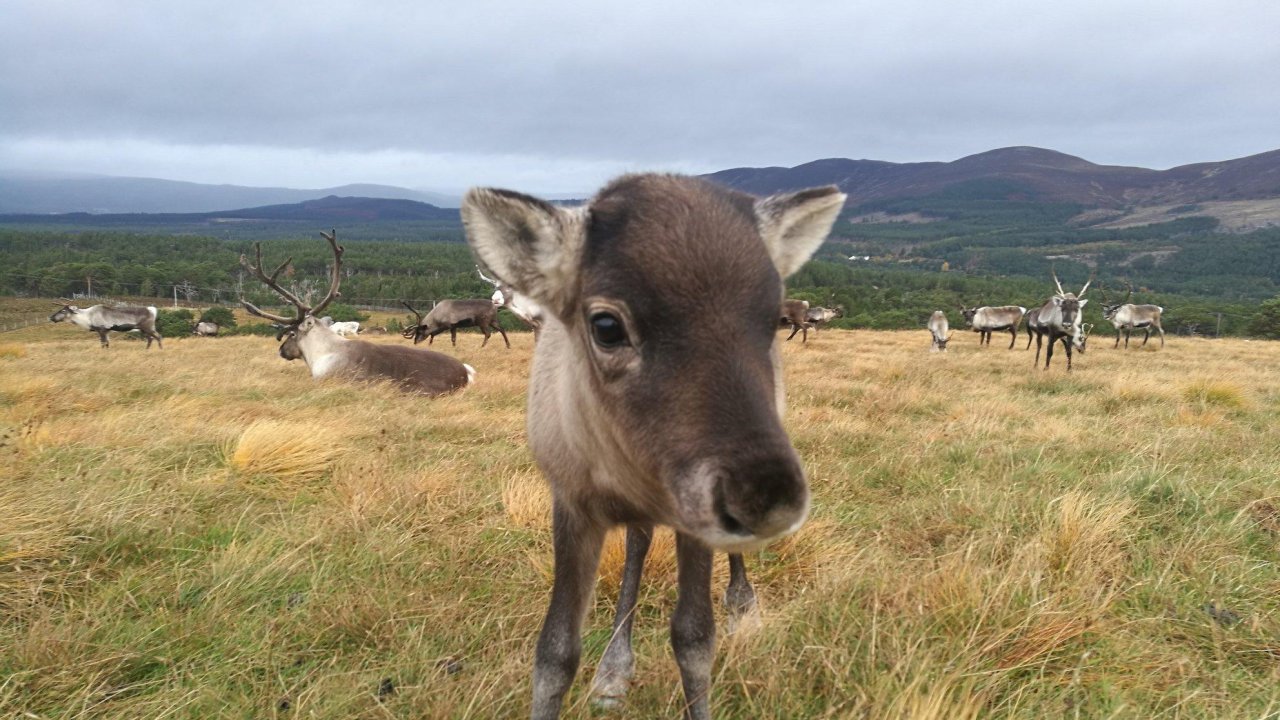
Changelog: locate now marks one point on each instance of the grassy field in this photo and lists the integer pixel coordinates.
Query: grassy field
(206, 532)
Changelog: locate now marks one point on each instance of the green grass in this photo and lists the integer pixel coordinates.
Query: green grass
(988, 539)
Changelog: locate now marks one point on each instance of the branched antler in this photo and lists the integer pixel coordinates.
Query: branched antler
(302, 309)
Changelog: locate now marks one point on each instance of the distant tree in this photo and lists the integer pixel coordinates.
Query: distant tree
(220, 315)
(175, 323)
(345, 313)
(1266, 322)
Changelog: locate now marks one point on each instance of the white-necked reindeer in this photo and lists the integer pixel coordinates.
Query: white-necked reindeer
(519, 304)
(102, 320)
(638, 418)
(1060, 319)
(938, 328)
(327, 353)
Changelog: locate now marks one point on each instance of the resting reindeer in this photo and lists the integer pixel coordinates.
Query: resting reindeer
(1126, 317)
(1060, 319)
(796, 314)
(326, 353)
(988, 320)
(102, 320)
(453, 314)
(938, 329)
(637, 418)
(206, 329)
(505, 296)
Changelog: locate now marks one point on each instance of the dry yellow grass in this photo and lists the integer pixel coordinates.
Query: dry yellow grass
(205, 530)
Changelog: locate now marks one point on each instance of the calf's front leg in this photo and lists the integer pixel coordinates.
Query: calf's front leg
(577, 544)
(693, 627)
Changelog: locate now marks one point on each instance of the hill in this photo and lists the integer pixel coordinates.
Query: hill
(1044, 176)
(30, 193)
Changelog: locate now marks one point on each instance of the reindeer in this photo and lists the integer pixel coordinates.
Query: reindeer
(634, 417)
(1060, 319)
(451, 315)
(347, 328)
(938, 329)
(817, 317)
(988, 320)
(795, 313)
(206, 329)
(102, 320)
(505, 296)
(1127, 317)
(326, 353)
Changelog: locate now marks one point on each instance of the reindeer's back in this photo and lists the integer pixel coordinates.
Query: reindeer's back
(424, 371)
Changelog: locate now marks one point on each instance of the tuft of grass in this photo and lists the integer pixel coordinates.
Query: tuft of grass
(12, 351)
(282, 455)
(1218, 393)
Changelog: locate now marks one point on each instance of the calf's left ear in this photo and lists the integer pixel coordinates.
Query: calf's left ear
(793, 225)
(528, 243)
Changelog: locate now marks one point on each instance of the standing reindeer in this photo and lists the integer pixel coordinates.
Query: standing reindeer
(637, 419)
(451, 315)
(1126, 317)
(102, 320)
(327, 353)
(938, 329)
(817, 317)
(796, 314)
(1060, 319)
(988, 320)
(519, 304)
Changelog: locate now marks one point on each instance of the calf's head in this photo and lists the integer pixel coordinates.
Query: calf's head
(692, 411)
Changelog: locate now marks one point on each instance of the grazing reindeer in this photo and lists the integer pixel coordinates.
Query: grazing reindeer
(637, 418)
(524, 308)
(796, 314)
(938, 329)
(102, 320)
(206, 329)
(817, 317)
(988, 320)
(1126, 317)
(327, 353)
(451, 315)
(1060, 319)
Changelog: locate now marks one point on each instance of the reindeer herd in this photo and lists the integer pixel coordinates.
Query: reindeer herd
(636, 416)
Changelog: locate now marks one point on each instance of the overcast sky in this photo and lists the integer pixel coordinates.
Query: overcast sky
(559, 96)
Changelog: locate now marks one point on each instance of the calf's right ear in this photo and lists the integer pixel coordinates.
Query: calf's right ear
(529, 244)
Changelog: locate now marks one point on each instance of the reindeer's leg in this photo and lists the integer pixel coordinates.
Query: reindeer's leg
(1146, 335)
(1048, 353)
(1013, 336)
(1161, 330)
(503, 333)
(577, 556)
(1039, 343)
(739, 596)
(1117, 345)
(1066, 343)
(453, 336)
(693, 627)
(794, 329)
(1029, 334)
(1126, 338)
(613, 675)
(102, 339)
(484, 329)
(804, 333)
(159, 340)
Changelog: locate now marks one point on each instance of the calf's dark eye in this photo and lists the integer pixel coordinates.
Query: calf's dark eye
(607, 330)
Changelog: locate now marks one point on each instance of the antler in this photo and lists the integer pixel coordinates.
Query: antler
(491, 281)
(1126, 297)
(270, 281)
(1086, 284)
(412, 331)
(336, 278)
(1055, 280)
